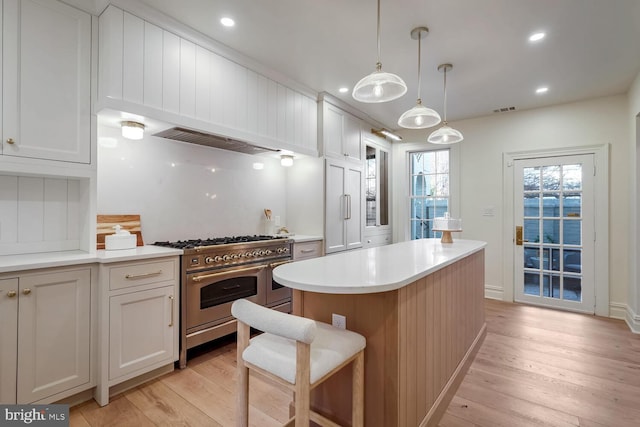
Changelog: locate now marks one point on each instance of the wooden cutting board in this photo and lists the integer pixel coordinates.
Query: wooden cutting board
(106, 223)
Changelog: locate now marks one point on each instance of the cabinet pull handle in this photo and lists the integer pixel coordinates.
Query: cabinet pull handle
(140, 276)
(172, 309)
(275, 264)
(348, 205)
(11, 293)
(209, 276)
(307, 251)
(10, 141)
(26, 291)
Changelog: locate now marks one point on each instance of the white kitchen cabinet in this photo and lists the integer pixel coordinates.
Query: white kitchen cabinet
(46, 335)
(341, 134)
(197, 85)
(140, 306)
(46, 81)
(306, 250)
(343, 205)
(8, 339)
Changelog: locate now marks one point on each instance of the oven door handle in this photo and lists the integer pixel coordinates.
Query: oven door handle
(224, 273)
(275, 264)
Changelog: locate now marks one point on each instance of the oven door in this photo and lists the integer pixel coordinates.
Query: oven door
(210, 294)
(276, 293)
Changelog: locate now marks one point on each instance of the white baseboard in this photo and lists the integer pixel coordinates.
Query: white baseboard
(622, 311)
(493, 292)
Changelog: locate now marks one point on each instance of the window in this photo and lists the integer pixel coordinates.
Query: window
(429, 176)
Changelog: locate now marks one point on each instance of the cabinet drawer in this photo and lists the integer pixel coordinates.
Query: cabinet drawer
(377, 240)
(307, 250)
(137, 274)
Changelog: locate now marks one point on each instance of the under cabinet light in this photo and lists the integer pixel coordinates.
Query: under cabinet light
(132, 130)
(286, 160)
(384, 133)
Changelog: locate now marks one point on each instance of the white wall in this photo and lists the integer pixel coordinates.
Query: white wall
(305, 196)
(171, 185)
(633, 315)
(589, 123)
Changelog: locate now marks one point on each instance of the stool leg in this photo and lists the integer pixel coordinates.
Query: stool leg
(303, 374)
(242, 395)
(357, 414)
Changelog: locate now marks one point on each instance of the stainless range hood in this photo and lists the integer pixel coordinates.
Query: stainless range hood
(211, 140)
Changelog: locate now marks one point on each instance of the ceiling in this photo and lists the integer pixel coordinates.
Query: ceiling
(591, 48)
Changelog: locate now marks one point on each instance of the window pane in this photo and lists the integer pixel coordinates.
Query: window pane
(572, 205)
(532, 230)
(442, 185)
(551, 178)
(532, 205)
(572, 288)
(531, 179)
(532, 283)
(551, 229)
(531, 257)
(573, 261)
(572, 177)
(442, 158)
(550, 205)
(572, 232)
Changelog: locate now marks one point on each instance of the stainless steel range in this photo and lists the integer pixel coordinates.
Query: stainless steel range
(216, 272)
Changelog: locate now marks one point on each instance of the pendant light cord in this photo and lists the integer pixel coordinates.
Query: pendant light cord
(445, 96)
(379, 64)
(419, 62)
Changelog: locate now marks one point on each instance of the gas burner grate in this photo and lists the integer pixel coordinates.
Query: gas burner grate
(214, 241)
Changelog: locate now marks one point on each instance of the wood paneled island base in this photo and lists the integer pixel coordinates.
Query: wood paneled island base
(421, 339)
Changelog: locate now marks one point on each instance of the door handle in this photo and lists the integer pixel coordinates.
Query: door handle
(519, 239)
(348, 205)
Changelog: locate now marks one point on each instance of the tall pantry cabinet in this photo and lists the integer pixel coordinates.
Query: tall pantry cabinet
(47, 189)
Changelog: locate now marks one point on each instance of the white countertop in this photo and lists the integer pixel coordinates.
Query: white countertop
(299, 238)
(11, 263)
(379, 269)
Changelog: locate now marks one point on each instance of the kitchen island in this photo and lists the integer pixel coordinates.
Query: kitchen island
(420, 306)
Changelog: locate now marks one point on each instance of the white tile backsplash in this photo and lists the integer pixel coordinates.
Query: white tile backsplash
(184, 191)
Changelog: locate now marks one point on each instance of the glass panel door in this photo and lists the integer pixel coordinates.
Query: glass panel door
(554, 248)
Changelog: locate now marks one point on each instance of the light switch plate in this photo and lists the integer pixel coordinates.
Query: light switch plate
(339, 321)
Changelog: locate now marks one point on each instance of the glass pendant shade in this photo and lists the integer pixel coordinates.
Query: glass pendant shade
(419, 117)
(379, 86)
(445, 135)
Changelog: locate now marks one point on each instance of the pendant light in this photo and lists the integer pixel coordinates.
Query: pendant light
(379, 86)
(419, 117)
(445, 134)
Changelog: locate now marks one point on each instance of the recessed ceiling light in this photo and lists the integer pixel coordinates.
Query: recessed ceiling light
(227, 22)
(536, 37)
(542, 89)
(343, 89)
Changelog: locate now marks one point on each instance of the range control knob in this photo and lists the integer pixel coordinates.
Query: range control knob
(235, 256)
(248, 254)
(255, 253)
(268, 252)
(217, 258)
(226, 257)
(280, 250)
(208, 260)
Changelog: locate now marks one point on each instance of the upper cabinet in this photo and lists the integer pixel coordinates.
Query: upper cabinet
(46, 82)
(149, 70)
(341, 133)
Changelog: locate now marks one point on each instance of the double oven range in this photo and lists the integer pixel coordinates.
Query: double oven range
(216, 272)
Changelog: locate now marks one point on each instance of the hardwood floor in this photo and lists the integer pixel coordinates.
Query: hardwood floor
(536, 367)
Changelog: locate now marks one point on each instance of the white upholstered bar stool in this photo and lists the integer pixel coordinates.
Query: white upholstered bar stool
(299, 353)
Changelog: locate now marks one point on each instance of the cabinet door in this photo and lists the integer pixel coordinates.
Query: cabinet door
(54, 345)
(46, 81)
(353, 191)
(352, 140)
(332, 133)
(142, 326)
(8, 339)
(343, 204)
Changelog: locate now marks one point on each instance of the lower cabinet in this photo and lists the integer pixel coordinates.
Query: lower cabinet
(46, 335)
(306, 250)
(139, 321)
